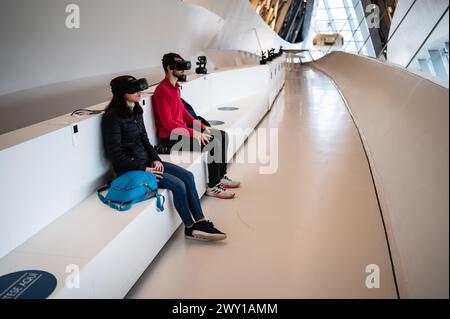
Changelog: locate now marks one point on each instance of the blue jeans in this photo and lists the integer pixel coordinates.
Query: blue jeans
(182, 184)
(217, 167)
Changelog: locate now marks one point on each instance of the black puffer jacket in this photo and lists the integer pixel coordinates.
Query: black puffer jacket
(126, 142)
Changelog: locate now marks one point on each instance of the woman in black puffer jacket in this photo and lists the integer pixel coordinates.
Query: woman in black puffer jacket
(128, 147)
(125, 139)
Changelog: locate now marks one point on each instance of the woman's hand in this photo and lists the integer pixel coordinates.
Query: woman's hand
(158, 165)
(158, 174)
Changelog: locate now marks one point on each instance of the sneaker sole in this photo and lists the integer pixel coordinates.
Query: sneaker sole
(207, 237)
(221, 197)
(231, 187)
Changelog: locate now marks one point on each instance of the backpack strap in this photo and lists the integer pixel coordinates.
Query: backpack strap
(154, 193)
(102, 189)
(126, 206)
(160, 205)
(160, 200)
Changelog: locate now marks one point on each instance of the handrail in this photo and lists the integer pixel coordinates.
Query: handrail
(302, 51)
(428, 37)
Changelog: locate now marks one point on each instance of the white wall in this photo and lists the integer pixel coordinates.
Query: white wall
(414, 29)
(115, 36)
(242, 25)
(48, 70)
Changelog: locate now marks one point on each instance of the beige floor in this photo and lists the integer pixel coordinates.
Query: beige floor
(307, 231)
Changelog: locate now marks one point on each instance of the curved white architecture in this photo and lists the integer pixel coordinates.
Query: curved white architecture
(343, 161)
(404, 122)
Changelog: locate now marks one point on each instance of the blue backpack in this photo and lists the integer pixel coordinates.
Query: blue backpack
(131, 188)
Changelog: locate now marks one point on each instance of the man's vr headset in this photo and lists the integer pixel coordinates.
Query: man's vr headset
(131, 87)
(181, 65)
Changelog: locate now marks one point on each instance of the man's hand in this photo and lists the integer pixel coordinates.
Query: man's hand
(202, 138)
(207, 130)
(158, 166)
(158, 174)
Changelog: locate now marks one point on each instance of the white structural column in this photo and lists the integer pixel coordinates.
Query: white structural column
(414, 29)
(438, 63)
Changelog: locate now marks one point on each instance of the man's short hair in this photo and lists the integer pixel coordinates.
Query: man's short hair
(169, 59)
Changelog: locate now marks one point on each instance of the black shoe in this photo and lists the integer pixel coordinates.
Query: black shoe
(204, 230)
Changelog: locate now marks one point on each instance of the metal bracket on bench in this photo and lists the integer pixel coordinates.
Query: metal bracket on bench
(216, 123)
(228, 108)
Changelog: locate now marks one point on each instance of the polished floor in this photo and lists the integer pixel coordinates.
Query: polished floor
(309, 230)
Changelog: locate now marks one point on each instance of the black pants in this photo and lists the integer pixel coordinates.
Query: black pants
(217, 152)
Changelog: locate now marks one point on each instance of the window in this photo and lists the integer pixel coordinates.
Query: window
(344, 17)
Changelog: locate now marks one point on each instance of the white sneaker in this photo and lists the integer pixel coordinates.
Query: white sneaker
(229, 183)
(219, 192)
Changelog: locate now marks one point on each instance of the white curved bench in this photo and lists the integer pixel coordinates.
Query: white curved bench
(54, 220)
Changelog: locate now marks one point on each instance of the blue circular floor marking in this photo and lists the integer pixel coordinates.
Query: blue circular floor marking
(29, 284)
(228, 108)
(216, 123)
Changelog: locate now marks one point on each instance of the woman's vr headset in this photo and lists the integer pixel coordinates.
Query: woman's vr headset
(131, 87)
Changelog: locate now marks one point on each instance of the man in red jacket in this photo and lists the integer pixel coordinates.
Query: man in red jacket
(177, 127)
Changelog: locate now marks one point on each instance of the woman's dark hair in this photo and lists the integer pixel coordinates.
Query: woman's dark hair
(118, 103)
(169, 59)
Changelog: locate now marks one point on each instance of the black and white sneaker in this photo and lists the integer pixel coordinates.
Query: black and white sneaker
(204, 230)
(219, 191)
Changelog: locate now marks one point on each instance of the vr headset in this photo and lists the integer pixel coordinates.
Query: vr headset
(181, 65)
(132, 86)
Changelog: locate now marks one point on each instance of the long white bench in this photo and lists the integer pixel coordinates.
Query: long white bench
(53, 220)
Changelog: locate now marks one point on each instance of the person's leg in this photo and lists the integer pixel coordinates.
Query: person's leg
(222, 137)
(192, 195)
(214, 159)
(215, 188)
(201, 229)
(190, 144)
(213, 174)
(179, 192)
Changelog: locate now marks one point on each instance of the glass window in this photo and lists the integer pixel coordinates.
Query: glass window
(339, 16)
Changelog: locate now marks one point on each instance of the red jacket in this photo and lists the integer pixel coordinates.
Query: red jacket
(170, 112)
